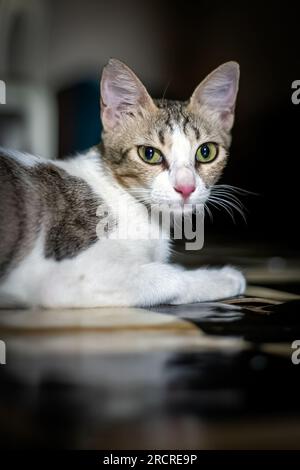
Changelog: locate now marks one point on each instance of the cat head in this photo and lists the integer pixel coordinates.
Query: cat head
(166, 151)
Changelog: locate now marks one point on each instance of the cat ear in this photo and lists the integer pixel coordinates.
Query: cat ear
(122, 93)
(218, 93)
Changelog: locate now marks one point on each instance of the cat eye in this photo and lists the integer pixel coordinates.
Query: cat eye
(150, 155)
(207, 152)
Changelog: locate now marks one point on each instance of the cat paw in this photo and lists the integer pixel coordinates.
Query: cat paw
(209, 285)
(232, 282)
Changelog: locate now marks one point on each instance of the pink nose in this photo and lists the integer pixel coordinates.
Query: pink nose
(185, 189)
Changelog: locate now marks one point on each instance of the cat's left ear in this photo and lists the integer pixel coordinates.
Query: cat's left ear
(122, 94)
(218, 93)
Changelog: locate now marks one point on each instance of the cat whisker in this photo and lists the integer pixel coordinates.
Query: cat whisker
(229, 197)
(223, 206)
(230, 202)
(165, 90)
(236, 189)
(209, 212)
(227, 194)
(228, 206)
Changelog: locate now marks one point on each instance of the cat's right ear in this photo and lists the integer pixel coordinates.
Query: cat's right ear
(122, 94)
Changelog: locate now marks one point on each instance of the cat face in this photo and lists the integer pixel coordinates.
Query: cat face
(165, 151)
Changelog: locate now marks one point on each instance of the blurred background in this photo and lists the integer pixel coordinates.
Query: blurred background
(52, 53)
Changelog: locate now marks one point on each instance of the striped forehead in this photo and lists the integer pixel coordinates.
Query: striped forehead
(175, 114)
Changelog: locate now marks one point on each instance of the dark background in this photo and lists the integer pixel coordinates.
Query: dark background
(62, 46)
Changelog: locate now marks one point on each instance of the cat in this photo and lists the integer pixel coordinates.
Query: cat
(152, 151)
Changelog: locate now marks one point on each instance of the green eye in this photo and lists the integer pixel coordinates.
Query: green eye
(207, 152)
(150, 155)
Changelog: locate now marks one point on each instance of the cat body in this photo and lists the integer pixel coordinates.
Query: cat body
(59, 219)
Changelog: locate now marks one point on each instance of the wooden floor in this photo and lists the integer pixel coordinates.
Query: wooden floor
(202, 376)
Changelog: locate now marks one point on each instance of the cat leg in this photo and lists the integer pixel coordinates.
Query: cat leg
(145, 286)
(158, 283)
(171, 284)
(138, 285)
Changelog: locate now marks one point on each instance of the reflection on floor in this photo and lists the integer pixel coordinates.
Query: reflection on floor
(202, 376)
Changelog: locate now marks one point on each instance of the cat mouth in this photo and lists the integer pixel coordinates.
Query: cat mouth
(181, 202)
(161, 202)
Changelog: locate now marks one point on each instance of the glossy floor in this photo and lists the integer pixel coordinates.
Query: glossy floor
(202, 376)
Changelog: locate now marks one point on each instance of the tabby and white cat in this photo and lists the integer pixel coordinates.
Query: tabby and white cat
(152, 151)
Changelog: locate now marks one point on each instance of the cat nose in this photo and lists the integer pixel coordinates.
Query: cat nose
(185, 182)
(185, 189)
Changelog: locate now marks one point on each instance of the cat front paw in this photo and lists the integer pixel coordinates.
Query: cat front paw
(209, 285)
(231, 282)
